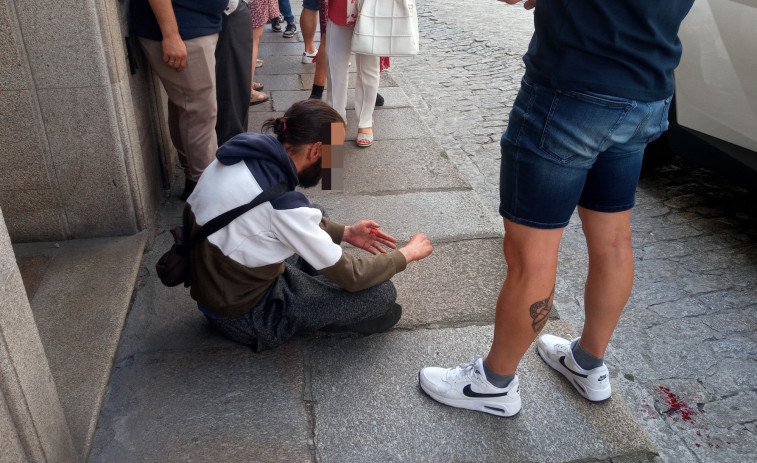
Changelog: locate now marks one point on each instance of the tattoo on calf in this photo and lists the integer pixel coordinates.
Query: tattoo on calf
(540, 312)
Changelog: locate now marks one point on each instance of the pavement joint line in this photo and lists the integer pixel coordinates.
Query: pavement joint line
(402, 192)
(308, 403)
(442, 326)
(179, 350)
(455, 239)
(554, 315)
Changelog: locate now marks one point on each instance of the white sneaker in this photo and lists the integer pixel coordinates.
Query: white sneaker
(309, 58)
(592, 384)
(465, 386)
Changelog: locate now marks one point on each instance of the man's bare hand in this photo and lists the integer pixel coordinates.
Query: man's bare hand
(174, 49)
(417, 248)
(174, 52)
(528, 4)
(366, 235)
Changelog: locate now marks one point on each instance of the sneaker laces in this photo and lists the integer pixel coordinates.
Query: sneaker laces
(565, 348)
(464, 370)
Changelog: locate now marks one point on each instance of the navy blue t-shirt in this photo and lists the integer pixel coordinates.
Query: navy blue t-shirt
(625, 48)
(195, 18)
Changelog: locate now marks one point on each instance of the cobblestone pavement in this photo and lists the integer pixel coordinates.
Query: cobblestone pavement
(684, 356)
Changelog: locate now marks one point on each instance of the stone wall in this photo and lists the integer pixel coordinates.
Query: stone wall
(80, 155)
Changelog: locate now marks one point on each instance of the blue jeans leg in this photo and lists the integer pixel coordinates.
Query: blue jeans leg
(286, 11)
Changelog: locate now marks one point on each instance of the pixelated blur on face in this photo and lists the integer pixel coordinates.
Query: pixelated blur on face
(333, 156)
(337, 133)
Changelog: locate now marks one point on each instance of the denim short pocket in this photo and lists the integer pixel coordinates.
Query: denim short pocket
(527, 84)
(580, 125)
(663, 126)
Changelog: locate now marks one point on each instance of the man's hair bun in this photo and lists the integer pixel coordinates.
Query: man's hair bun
(279, 125)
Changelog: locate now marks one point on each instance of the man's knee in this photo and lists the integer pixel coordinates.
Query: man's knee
(524, 258)
(606, 232)
(386, 292)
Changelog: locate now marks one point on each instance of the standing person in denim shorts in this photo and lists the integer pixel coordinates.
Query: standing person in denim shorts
(597, 88)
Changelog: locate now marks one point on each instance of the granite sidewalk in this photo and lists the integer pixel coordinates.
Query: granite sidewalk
(180, 392)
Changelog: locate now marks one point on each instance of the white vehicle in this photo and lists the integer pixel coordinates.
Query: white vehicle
(714, 118)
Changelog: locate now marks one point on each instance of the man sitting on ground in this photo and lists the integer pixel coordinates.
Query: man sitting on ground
(278, 269)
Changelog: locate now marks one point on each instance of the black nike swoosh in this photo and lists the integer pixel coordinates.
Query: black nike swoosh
(468, 392)
(562, 362)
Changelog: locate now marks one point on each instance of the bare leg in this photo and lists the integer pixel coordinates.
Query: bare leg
(257, 33)
(610, 278)
(526, 296)
(308, 23)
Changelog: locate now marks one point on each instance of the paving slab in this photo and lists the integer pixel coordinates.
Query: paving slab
(368, 406)
(392, 124)
(283, 64)
(394, 165)
(283, 99)
(279, 82)
(275, 37)
(80, 306)
(385, 79)
(272, 51)
(394, 97)
(224, 405)
(441, 291)
(442, 216)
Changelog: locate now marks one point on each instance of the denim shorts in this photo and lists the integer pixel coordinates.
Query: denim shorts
(310, 4)
(565, 148)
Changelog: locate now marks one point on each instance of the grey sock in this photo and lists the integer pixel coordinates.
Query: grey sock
(584, 359)
(497, 380)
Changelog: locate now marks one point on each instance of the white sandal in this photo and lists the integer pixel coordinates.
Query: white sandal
(364, 140)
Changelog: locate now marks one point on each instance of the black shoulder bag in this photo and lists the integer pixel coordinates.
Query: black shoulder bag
(173, 269)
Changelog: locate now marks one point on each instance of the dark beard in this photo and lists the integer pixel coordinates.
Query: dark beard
(311, 176)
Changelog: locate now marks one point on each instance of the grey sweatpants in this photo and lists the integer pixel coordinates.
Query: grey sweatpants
(300, 301)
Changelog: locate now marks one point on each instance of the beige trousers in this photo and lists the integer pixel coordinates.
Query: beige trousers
(192, 103)
(338, 50)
